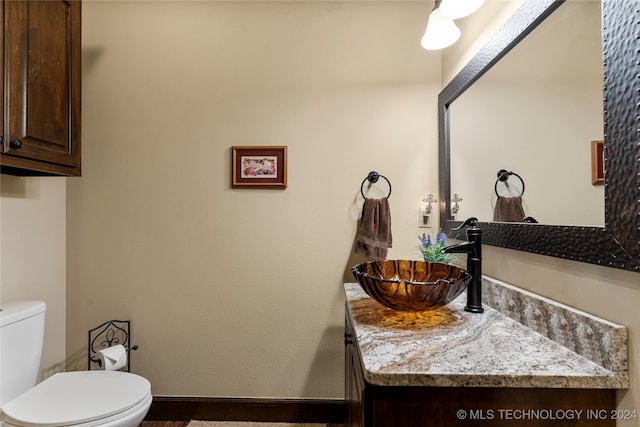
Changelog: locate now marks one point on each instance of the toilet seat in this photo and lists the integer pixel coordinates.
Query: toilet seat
(84, 398)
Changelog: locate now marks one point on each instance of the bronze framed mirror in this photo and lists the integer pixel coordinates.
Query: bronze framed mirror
(617, 243)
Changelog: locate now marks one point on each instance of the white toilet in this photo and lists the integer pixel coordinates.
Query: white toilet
(73, 399)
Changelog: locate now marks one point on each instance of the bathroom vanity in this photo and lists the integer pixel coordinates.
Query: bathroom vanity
(525, 361)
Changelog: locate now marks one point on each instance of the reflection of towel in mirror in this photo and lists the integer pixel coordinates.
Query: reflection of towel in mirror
(374, 235)
(508, 209)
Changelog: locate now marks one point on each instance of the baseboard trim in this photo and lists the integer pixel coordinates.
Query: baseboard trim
(169, 408)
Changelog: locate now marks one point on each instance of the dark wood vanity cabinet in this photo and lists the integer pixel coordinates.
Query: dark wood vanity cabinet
(41, 87)
(354, 381)
(370, 405)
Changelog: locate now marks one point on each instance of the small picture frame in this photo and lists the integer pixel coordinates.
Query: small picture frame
(597, 162)
(259, 166)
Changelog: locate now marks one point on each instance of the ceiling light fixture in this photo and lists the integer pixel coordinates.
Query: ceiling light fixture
(441, 32)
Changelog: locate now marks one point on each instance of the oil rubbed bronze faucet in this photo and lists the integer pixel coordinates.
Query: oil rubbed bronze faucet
(473, 248)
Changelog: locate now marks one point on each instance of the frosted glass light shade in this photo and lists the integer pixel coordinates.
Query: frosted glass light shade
(440, 32)
(456, 9)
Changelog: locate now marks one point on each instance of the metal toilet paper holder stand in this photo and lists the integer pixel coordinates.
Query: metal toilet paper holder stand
(111, 332)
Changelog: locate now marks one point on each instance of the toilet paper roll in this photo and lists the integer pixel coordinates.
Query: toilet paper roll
(113, 358)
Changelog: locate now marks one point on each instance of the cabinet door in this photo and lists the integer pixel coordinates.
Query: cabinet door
(354, 382)
(356, 398)
(42, 86)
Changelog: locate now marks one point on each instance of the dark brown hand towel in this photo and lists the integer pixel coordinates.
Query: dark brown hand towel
(374, 235)
(508, 209)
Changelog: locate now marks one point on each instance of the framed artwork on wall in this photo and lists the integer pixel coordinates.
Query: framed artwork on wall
(597, 162)
(259, 166)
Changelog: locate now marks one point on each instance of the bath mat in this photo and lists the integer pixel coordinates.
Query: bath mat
(195, 423)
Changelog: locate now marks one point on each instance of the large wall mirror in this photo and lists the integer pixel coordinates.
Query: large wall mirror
(531, 102)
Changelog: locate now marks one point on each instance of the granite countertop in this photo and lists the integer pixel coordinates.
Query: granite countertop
(453, 348)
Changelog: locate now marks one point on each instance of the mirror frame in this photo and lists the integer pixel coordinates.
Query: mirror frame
(617, 244)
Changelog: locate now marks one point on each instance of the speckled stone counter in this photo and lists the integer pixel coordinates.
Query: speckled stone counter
(559, 348)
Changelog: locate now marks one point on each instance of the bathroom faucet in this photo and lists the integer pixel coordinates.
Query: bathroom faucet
(473, 248)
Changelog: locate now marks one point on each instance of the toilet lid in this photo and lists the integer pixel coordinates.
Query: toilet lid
(76, 397)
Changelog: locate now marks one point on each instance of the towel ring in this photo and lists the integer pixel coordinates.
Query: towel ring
(373, 178)
(503, 176)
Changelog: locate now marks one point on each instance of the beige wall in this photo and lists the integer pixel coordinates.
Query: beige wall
(33, 256)
(609, 293)
(239, 292)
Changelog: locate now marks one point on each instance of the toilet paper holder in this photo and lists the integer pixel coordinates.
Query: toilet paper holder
(111, 332)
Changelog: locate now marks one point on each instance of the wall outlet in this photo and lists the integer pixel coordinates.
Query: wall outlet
(424, 219)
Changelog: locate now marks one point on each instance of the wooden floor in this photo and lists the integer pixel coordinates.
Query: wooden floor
(165, 423)
(184, 424)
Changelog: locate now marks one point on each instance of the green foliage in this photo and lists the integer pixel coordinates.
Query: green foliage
(432, 250)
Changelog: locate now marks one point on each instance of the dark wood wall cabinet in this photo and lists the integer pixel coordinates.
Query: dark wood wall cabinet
(41, 87)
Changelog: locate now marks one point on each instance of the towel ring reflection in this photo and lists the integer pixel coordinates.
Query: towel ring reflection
(503, 176)
(373, 178)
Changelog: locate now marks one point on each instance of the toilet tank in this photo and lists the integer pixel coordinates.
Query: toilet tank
(21, 340)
